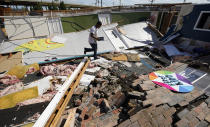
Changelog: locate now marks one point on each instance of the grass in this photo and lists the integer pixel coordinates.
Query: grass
(85, 22)
(128, 18)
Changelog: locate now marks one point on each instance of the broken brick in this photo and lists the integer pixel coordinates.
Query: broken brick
(207, 118)
(77, 102)
(125, 123)
(136, 94)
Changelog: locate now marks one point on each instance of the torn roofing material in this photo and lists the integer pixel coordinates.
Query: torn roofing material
(74, 46)
(133, 35)
(138, 34)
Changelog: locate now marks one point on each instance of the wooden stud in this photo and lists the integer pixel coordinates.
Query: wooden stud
(55, 117)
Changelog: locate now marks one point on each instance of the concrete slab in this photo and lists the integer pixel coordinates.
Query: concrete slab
(74, 46)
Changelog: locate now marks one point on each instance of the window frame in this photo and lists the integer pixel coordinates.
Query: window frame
(196, 24)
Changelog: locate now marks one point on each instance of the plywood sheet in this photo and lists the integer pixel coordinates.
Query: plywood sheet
(9, 60)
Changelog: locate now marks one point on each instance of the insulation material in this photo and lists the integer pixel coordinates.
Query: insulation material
(61, 70)
(39, 99)
(10, 60)
(19, 71)
(93, 70)
(11, 100)
(45, 84)
(38, 45)
(11, 89)
(86, 79)
(9, 79)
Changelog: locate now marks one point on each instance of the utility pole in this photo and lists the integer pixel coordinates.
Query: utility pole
(151, 1)
(101, 3)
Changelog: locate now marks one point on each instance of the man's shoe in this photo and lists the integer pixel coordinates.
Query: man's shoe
(84, 51)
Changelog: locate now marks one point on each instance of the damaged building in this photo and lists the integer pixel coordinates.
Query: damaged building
(153, 72)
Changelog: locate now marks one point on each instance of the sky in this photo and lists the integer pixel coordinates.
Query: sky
(128, 2)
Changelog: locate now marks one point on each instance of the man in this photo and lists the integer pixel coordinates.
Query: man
(93, 38)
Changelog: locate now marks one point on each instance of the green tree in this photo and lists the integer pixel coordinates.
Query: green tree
(54, 7)
(50, 7)
(37, 7)
(31, 8)
(62, 6)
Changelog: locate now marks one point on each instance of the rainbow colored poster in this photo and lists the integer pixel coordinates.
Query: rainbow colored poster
(171, 80)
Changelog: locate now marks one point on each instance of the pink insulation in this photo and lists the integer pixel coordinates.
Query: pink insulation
(9, 79)
(58, 70)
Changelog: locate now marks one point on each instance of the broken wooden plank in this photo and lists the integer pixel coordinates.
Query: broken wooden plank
(71, 118)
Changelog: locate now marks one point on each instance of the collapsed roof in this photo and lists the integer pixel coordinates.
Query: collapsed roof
(115, 90)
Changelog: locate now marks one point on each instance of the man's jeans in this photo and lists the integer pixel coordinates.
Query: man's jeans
(94, 48)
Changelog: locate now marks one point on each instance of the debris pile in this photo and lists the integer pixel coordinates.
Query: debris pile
(61, 70)
(121, 98)
(118, 92)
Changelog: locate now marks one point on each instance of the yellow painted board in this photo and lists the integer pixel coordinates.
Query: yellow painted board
(39, 45)
(11, 100)
(21, 70)
(28, 125)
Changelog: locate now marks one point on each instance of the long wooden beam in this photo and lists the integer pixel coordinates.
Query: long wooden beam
(68, 94)
(52, 114)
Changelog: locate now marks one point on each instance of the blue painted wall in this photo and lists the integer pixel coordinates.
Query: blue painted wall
(190, 21)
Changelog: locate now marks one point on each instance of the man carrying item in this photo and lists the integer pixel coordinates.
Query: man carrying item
(93, 38)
